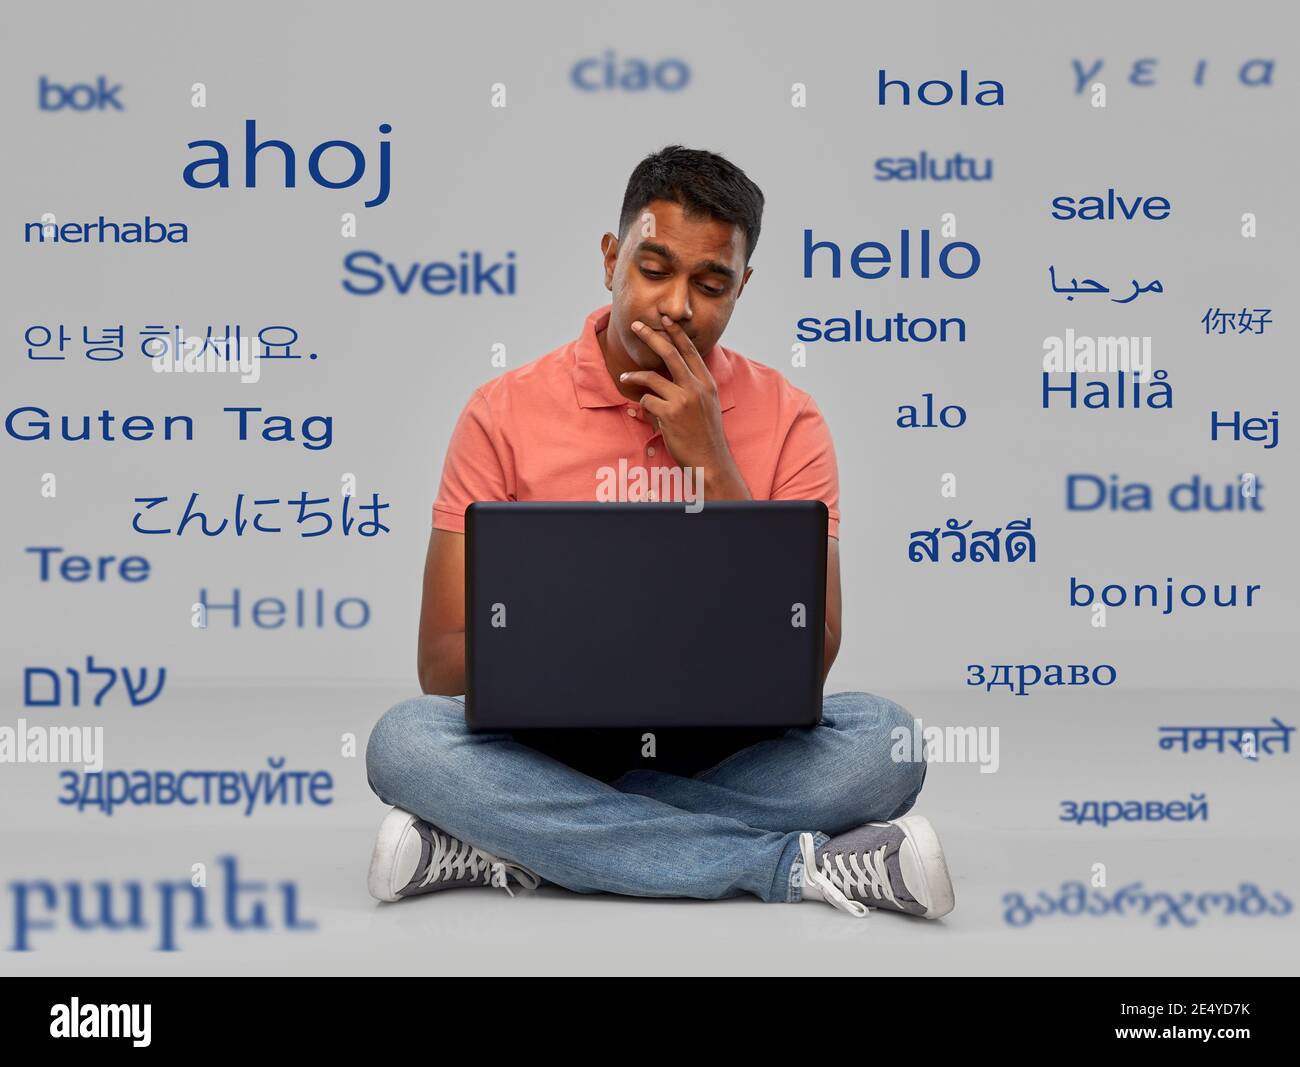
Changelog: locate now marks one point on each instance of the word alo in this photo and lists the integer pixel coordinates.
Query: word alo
(636, 484)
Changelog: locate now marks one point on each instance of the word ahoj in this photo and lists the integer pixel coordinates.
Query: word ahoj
(219, 163)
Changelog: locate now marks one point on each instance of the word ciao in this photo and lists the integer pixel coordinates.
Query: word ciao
(216, 169)
(101, 906)
(1094, 208)
(1074, 901)
(631, 75)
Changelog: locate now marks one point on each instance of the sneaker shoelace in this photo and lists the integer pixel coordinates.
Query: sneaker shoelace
(840, 882)
(453, 858)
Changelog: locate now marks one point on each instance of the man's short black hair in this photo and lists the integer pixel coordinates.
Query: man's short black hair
(702, 183)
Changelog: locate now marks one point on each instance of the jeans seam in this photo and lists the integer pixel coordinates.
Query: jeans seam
(795, 881)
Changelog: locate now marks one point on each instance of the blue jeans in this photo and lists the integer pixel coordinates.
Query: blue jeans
(731, 829)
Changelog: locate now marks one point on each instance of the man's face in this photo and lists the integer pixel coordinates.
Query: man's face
(691, 270)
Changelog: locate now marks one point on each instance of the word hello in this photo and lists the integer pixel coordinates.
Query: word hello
(102, 1020)
(1091, 492)
(1094, 208)
(881, 255)
(272, 613)
(1071, 354)
(631, 75)
(639, 484)
(937, 92)
(219, 164)
(1254, 430)
(956, 168)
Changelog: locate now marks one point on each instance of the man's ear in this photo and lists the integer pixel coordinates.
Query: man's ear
(743, 279)
(609, 249)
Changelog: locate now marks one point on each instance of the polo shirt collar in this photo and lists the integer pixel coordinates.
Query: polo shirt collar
(595, 388)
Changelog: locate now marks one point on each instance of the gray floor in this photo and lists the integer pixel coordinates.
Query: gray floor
(1000, 831)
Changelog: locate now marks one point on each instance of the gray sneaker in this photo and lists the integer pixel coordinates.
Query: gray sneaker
(412, 856)
(897, 865)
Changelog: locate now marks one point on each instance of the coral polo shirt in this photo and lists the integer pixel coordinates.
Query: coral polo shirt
(557, 429)
(545, 431)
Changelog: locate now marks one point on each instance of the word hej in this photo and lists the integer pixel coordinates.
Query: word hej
(99, 906)
(216, 169)
(984, 544)
(1092, 492)
(1074, 901)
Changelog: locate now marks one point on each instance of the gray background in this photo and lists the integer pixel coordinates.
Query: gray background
(544, 177)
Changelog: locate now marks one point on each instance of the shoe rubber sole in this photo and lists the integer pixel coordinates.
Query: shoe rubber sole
(384, 858)
(939, 899)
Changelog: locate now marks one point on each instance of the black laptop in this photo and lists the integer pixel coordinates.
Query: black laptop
(644, 615)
